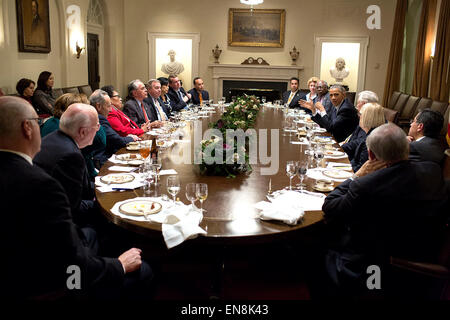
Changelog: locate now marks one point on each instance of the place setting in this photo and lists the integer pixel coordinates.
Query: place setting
(179, 221)
(288, 205)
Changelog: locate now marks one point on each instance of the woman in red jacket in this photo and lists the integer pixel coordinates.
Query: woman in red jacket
(118, 120)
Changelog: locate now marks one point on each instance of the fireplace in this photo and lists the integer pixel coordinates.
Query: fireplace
(271, 90)
(261, 80)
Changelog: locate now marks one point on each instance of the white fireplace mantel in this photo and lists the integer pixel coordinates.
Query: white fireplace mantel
(243, 72)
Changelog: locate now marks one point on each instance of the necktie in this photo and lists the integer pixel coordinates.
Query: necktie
(348, 138)
(143, 110)
(200, 98)
(162, 114)
(180, 94)
(291, 96)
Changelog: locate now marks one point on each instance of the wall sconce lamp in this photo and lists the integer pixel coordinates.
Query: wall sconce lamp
(78, 50)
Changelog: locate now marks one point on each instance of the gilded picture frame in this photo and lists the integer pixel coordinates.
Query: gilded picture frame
(256, 28)
(33, 26)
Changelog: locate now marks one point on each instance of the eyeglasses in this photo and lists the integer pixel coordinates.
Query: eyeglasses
(40, 121)
(97, 126)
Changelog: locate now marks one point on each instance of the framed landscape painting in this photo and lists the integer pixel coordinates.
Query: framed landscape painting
(33, 25)
(256, 28)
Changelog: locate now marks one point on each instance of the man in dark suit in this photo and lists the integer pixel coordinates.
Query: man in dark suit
(293, 96)
(323, 99)
(136, 108)
(178, 96)
(198, 94)
(101, 101)
(61, 157)
(424, 136)
(40, 240)
(352, 142)
(392, 207)
(346, 115)
(157, 107)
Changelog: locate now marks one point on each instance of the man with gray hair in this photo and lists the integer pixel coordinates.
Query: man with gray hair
(41, 241)
(157, 106)
(136, 108)
(101, 101)
(346, 118)
(359, 135)
(61, 157)
(392, 207)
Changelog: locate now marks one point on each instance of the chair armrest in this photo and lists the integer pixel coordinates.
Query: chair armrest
(427, 269)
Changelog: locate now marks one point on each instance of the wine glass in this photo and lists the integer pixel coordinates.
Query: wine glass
(173, 186)
(302, 169)
(318, 154)
(290, 172)
(201, 191)
(263, 99)
(155, 165)
(191, 194)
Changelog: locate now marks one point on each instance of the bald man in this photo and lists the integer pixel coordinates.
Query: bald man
(61, 157)
(40, 240)
(392, 207)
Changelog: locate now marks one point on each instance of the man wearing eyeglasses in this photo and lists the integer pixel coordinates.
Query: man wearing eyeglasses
(424, 137)
(61, 157)
(136, 108)
(40, 240)
(102, 103)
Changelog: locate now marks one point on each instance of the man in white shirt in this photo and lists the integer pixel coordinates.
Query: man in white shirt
(157, 108)
(293, 96)
(424, 137)
(178, 96)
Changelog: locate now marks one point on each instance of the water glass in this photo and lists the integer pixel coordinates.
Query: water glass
(173, 186)
(302, 169)
(191, 194)
(290, 172)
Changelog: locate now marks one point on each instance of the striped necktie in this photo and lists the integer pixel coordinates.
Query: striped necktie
(161, 113)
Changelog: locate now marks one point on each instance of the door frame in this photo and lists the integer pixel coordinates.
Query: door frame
(98, 30)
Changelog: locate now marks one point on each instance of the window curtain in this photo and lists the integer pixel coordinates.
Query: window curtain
(425, 40)
(440, 82)
(395, 56)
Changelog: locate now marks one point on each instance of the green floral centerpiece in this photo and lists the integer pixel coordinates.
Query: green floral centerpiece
(228, 158)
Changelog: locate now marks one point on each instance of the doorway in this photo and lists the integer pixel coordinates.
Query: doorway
(93, 60)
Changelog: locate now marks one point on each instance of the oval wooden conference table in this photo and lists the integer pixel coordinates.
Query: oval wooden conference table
(231, 216)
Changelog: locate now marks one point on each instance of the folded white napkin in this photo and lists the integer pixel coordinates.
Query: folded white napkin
(344, 156)
(339, 165)
(285, 207)
(317, 174)
(116, 161)
(167, 172)
(303, 142)
(179, 222)
(104, 187)
(290, 206)
(122, 169)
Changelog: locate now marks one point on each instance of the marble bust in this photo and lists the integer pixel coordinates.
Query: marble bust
(339, 72)
(173, 68)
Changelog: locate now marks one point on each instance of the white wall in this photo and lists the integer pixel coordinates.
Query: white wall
(304, 19)
(127, 24)
(60, 61)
